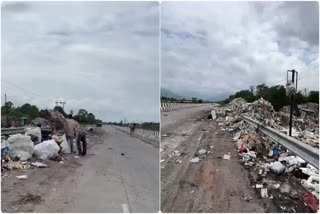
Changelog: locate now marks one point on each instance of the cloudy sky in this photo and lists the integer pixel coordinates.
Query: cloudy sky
(213, 49)
(100, 56)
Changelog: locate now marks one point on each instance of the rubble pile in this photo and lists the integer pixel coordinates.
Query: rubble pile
(267, 159)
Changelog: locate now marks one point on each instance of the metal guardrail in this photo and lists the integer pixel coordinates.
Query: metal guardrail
(306, 152)
(10, 131)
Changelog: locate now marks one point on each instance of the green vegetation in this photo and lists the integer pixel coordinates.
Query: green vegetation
(11, 113)
(276, 95)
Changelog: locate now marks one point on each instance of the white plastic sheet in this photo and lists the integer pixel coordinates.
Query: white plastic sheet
(46, 150)
(20, 146)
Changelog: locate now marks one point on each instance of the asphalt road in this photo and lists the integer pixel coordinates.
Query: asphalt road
(211, 185)
(121, 176)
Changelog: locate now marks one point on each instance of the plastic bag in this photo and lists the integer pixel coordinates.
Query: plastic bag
(65, 145)
(20, 146)
(46, 150)
(34, 131)
(277, 167)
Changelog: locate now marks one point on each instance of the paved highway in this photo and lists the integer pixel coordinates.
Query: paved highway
(121, 176)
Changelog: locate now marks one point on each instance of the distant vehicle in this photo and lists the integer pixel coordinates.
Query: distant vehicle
(99, 124)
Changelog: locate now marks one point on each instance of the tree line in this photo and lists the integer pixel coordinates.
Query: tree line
(11, 113)
(276, 95)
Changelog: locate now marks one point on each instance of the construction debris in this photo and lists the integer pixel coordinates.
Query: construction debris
(261, 155)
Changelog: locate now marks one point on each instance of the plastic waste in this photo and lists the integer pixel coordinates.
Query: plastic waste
(22, 177)
(277, 167)
(46, 150)
(311, 201)
(34, 131)
(39, 165)
(65, 148)
(264, 192)
(20, 146)
(311, 184)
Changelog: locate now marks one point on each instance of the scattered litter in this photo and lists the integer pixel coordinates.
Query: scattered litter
(76, 157)
(227, 157)
(264, 193)
(61, 162)
(22, 177)
(202, 151)
(276, 186)
(194, 160)
(163, 160)
(39, 165)
(121, 154)
(178, 161)
(311, 201)
(285, 188)
(258, 186)
(277, 167)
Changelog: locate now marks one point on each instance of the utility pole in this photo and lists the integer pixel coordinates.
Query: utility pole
(5, 99)
(63, 102)
(291, 91)
(305, 92)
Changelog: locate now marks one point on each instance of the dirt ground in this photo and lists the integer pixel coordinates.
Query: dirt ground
(24, 195)
(215, 184)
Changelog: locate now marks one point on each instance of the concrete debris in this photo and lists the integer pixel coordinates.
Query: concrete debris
(20, 147)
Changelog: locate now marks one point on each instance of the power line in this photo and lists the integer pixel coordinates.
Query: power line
(23, 89)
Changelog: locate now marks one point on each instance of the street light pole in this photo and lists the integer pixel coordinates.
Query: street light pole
(294, 79)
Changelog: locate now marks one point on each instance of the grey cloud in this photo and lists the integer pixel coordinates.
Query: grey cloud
(14, 6)
(207, 52)
(86, 53)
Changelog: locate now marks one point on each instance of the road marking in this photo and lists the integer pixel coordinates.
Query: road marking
(125, 208)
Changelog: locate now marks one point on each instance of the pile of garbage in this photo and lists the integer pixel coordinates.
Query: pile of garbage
(45, 139)
(261, 156)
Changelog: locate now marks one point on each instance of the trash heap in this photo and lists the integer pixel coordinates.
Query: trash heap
(23, 151)
(262, 156)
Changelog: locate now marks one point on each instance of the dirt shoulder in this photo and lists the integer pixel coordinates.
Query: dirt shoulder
(211, 185)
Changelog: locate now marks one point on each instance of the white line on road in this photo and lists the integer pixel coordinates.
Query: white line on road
(125, 208)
